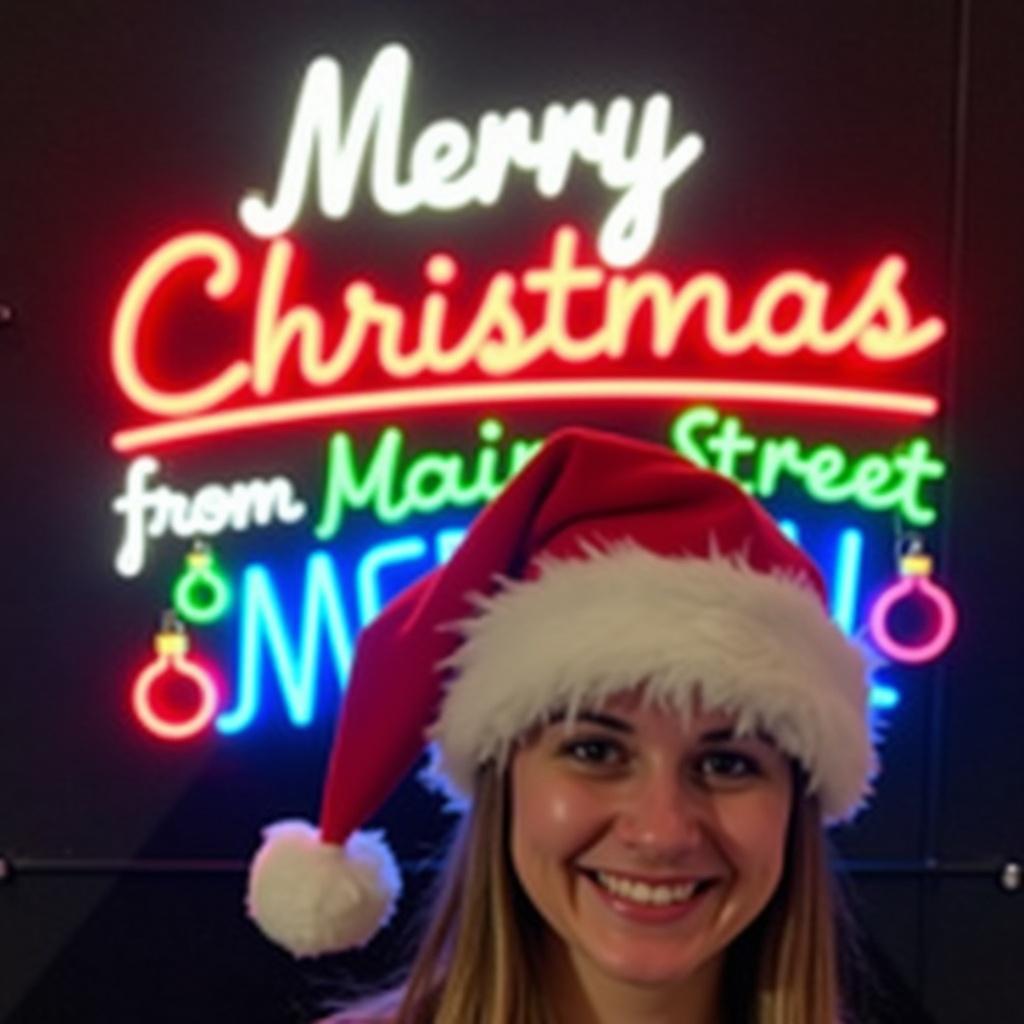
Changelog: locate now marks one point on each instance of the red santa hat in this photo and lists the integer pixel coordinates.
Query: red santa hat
(606, 563)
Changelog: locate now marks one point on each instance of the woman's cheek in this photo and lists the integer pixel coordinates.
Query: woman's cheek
(754, 833)
(555, 813)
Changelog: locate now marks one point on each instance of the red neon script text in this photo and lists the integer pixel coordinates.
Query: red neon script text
(789, 314)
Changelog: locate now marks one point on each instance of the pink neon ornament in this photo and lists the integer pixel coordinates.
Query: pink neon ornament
(172, 663)
(914, 584)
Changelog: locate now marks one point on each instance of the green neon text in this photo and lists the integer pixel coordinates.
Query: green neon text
(877, 481)
(396, 487)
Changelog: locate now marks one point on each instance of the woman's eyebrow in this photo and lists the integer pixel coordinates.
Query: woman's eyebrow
(718, 735)
(594, 718)
(729, 733)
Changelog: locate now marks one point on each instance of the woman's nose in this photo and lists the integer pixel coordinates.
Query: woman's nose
(663, 815)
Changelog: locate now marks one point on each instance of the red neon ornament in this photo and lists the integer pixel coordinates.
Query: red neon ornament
(500, 339)
(915, 584)
(172, 663)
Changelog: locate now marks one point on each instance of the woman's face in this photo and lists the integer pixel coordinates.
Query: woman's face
(646, 842)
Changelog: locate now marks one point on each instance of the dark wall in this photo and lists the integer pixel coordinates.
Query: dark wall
(840, 131)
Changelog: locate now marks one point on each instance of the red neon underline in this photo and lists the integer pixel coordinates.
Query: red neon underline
(901, 403)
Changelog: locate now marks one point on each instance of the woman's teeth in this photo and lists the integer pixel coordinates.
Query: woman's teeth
(644, 893)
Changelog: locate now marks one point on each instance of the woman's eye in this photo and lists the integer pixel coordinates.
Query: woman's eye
(594, 751)
(727, 765)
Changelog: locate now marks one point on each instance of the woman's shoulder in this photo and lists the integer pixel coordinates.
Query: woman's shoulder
(354, 1018)
(374, 1011)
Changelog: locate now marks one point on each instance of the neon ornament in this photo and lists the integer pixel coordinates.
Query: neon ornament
(172, 663)
(915, 584)
(201, 593)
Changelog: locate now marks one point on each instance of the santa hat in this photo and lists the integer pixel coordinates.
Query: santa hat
(605, 563)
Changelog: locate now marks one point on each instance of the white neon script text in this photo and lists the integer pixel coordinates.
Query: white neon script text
(449, 169)
(151, 512)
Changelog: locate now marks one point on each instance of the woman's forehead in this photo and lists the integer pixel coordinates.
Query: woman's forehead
(636, 711)
(636, 705)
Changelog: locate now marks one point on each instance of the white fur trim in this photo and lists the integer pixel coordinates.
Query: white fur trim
(314, 898)
(759, 645)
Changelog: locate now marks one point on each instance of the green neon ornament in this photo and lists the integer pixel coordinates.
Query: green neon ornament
(201, 593)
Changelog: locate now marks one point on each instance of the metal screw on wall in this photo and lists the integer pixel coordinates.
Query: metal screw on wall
(6, 314)
(6, 870)
(1012, 876)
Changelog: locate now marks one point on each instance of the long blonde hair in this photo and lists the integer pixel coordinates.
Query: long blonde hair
(475, 963)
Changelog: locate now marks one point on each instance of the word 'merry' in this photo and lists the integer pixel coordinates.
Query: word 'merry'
(451, 166)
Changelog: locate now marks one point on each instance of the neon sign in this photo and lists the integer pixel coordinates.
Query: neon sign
(451, 167)
(282, 648)
(527, 392)
(570, 327)
(214, 508)
(202, 593)
(394, 484)
(276, 647)
(433, 481)
(263, 625)
(876, 481)
(173, 664)
(915, 585)
(498, 341)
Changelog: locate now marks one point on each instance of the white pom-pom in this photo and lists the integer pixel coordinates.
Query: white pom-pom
(313, 897)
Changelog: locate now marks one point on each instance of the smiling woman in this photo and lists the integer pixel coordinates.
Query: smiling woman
(629, 678)
(647, 841)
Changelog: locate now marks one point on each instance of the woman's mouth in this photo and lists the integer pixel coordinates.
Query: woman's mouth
(651, 899)
(646, 894)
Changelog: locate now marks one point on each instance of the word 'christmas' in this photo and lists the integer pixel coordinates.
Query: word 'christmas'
(515, 322)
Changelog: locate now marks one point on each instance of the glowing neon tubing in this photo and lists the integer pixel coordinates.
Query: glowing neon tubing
(497, 341)
(387, 400)
(431, 480)
(172, 659)
(446, 542)
(322, 618)
(913, 584)
(845, 588)
(875, 480)
(263, 619)
(846, 583)
(846, 578)
(448, 168)
(192, 246)
(394, 552)
(201, 574)
(883, 697)
(153, 509)
(321, 615)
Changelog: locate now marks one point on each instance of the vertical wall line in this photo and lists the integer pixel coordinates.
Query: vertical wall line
(936, 729)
